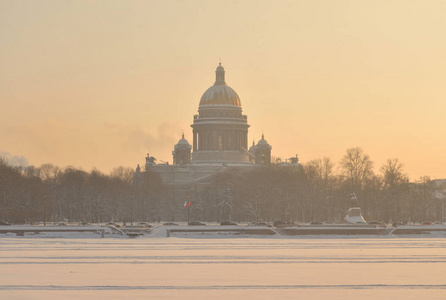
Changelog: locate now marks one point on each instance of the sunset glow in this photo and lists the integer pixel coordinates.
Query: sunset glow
(99, 84)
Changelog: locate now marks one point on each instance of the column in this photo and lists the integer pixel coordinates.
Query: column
(195, 141)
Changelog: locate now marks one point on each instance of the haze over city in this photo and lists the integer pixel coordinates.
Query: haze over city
(100, 84)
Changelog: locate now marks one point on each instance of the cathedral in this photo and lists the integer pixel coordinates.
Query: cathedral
(220, 141)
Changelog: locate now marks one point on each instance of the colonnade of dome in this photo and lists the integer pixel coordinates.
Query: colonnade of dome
(220, 130)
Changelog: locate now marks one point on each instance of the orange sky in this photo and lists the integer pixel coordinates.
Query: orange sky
(101, 83)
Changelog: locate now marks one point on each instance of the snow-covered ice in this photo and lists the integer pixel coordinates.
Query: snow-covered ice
(189, 268)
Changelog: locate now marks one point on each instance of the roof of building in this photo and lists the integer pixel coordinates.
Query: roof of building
(220, 93)
(252, 149)
(182, 142)
(263, 142)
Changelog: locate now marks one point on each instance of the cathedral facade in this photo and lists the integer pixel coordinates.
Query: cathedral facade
(220, 140)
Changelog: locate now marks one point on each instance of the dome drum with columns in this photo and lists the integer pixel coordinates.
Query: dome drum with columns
(263, 152)
(181, 153)
(220, 130)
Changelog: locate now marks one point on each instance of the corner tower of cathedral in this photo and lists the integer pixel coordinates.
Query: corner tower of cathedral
(220, 130)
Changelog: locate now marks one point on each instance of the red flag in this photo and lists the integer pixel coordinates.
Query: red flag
(188, 204)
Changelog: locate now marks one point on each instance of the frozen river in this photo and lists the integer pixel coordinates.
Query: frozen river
(183, 268)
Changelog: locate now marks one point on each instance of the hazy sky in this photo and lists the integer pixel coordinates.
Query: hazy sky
(101, 83)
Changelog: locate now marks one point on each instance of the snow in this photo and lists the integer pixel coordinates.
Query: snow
(66, 231)
(354, 216)
(249, 268)
(216, 231)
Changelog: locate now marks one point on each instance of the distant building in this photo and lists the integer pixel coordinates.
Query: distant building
(220, 140)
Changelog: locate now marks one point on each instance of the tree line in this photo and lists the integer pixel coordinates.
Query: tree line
(320, 191)
(316, 191)
(52, 194)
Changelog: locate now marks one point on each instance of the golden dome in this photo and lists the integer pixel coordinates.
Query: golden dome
(220, 93)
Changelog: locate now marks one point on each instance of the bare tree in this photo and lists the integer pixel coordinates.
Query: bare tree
(393, 172)
(394, 184)
(422, 200)
(356, 167)
(319, 173)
